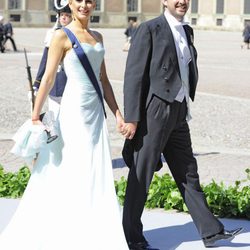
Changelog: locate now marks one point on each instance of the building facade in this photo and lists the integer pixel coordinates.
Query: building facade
(209, 14)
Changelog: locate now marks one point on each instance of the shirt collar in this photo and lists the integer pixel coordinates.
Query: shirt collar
(172, 20)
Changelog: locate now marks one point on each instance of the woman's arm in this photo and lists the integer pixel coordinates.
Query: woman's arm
(108, 91)
(107, 88)
(110, 98)
(55, 55)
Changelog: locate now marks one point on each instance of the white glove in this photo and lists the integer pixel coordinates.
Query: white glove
(30, 94)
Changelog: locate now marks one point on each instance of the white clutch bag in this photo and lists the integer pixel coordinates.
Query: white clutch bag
(30, 139)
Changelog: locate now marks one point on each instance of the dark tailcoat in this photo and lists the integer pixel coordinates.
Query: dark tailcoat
(152, 68)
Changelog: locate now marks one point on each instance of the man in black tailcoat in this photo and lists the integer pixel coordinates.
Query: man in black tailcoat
(160, 79)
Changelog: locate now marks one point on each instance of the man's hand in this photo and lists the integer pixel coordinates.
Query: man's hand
(129, 130)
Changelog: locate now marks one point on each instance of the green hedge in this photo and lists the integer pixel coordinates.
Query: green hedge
(232, 201)
(12, 185)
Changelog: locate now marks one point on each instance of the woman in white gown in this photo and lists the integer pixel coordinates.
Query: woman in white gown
(70, 201)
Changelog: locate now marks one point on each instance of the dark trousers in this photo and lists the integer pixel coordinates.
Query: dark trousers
(12, 42)
(1, 43)
(165, 130)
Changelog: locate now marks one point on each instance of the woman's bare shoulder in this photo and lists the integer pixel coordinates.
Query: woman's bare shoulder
(60, 35)
(60, 40)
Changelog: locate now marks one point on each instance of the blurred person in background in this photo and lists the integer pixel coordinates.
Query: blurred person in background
(8, 32)
(129, 32)
(2, 48)
(246, 36)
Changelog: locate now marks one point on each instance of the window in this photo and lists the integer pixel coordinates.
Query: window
(14, 4)
(246, 21)
(219, 6)
(246, 6)
(95, 19)
(15, 17)
(219, 22)
(194, 21)
(194, 6)
(53, 18)
(98, 5)
(132, 5)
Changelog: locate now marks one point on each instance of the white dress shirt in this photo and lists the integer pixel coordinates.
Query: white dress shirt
(183, 55)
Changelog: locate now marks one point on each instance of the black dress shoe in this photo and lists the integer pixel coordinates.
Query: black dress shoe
(141, 246)
(223, 235)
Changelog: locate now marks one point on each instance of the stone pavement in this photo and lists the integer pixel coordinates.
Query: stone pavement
(221, 112)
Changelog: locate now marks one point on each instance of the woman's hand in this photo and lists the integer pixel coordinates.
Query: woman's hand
(119, 122)
(36, 121)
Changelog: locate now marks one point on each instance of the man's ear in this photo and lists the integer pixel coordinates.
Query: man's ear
(164, 3)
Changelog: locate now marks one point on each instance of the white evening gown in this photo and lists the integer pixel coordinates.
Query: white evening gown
(70, 201)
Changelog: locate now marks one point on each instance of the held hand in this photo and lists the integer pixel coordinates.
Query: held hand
(119, 121)
(129, 130)
(120, 124)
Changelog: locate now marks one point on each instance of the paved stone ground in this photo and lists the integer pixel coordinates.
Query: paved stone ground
(221, 113)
